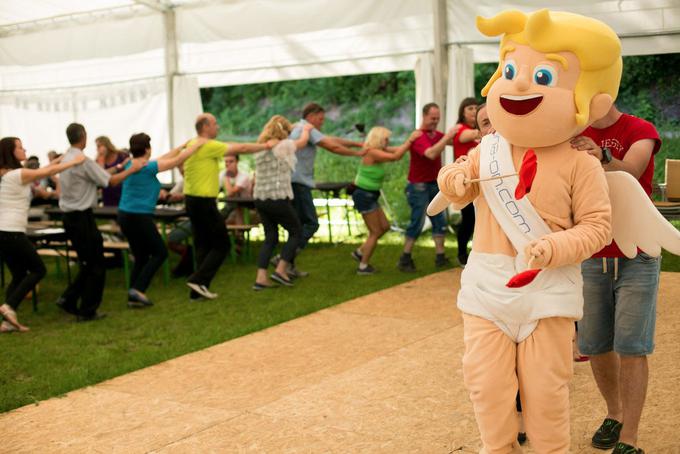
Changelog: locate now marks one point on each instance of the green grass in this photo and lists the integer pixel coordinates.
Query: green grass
(59, 355)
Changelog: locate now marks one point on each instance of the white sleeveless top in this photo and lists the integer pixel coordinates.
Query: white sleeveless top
(15, 199)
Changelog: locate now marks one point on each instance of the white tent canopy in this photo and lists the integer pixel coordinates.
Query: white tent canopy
(123, 66)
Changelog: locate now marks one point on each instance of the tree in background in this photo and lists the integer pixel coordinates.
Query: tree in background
(649, 89)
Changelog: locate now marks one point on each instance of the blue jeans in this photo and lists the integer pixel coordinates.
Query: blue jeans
(306, 211)
(419, 196)
(619, 314)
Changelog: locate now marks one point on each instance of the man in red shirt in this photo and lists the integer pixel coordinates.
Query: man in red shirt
(619, 313)
(422, 186)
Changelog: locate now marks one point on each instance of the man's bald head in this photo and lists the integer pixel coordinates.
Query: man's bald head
(206, 125)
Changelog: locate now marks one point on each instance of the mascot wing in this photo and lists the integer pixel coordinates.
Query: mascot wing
(439, 204)
(635, 220)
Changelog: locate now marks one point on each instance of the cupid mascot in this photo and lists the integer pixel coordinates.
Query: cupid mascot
(558, 73)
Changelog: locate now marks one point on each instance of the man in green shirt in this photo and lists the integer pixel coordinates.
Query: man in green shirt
(201, 186)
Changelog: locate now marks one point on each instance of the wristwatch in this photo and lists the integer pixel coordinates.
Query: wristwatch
(606, 156)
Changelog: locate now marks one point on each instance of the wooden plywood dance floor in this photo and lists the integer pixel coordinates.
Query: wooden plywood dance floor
(381, 373)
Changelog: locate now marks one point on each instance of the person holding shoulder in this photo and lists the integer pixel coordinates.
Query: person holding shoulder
(136, 208)
(273, 196)
(303, 174)
(112, 160)
(422, 186)
(368, 183)
(201, 187)
(467, 138)
(78, 196)
(16, 249)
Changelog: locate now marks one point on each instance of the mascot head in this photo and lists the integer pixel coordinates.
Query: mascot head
(558, 73)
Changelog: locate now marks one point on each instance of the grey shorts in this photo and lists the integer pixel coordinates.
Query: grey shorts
(180, 233)
(619, 314)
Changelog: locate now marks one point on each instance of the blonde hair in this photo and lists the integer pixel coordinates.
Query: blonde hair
(106, 142)
(596, 46)
(376, 137)
(278, 127)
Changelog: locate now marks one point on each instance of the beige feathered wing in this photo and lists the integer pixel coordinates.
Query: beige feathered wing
(636, 223)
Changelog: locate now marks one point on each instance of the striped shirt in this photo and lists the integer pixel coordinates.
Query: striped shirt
(273, 172)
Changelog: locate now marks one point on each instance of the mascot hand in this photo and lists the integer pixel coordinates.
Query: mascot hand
(459, 184)
(451, 181)
(538, 253)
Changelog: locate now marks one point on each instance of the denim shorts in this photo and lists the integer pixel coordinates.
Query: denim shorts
(419, 196)
(365, 201)
(619, 313)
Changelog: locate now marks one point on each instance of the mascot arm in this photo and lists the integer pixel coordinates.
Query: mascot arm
(636, 223)
(470, 170)
(591, 215)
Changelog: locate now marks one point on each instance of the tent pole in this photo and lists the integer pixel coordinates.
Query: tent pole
(171, 68)
(441, 60)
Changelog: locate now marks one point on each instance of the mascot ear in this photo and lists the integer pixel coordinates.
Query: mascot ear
(599, 106)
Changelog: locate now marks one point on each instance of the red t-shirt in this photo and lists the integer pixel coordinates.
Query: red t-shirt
(462, 149)
(618, 138)
(421, 168)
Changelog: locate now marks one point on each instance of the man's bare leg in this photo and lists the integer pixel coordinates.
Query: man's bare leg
(408, 245)
(439, 244)
(606, 369)
(633, 379)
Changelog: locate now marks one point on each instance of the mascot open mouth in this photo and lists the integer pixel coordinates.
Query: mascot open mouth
(520, 105)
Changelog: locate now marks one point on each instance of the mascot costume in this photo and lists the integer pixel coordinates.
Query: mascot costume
(541, 209)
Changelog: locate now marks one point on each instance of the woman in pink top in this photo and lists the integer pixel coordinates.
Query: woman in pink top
(466, 139)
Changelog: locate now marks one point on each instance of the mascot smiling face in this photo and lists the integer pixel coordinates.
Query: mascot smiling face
(558, 73)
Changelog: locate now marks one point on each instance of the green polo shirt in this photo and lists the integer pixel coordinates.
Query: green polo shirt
(201, 170)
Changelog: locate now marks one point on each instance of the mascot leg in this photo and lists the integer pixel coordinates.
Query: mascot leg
(489, 365)
(545, 368)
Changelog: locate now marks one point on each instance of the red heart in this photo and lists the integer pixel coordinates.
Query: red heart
(523, 278)
(527, 173)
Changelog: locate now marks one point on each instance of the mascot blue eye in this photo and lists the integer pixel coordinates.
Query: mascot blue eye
(545, 75)
(509, 70)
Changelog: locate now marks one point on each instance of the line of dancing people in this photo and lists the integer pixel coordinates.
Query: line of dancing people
(284, 171)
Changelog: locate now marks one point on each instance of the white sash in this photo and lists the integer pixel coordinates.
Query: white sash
(554, 292)
(518, 218)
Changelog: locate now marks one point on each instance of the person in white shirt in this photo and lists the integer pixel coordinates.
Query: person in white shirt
(16, 250)
(236, 184)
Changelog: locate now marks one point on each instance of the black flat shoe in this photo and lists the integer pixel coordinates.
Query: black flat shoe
(90, 318)
(61, 304)
(280, 279)
(259, 287)
(607, 435)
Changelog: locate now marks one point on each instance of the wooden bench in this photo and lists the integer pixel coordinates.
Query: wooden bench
(124, 248)
(109, 228)
(245, 230)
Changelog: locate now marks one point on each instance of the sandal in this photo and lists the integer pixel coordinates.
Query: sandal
(7, 327)
(11, 317)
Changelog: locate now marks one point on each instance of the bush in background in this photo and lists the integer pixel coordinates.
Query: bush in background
(649, 89)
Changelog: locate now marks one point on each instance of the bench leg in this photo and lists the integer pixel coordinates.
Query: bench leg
(126, 268)
(349, 229)
(34, 297)
(68, 266)
(328, 215)
(166, 263)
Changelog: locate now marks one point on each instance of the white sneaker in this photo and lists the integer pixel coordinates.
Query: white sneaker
(202, 290)
(7, 327)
